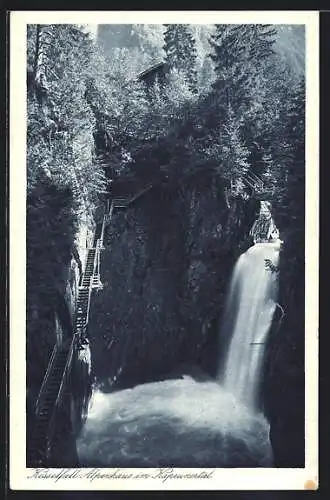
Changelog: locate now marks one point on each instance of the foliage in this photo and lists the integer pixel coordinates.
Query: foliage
(237, 128)
(87, 110)
(60, 123)
(63, 181)
(180, 50)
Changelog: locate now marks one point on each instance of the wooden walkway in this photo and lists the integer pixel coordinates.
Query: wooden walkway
(56, 382)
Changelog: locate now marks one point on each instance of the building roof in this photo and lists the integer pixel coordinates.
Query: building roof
(152, 69)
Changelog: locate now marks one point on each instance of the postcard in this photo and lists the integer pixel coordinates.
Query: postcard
(164, 250)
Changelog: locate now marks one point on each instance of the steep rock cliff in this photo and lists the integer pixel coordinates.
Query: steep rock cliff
(56, 253)
(165, 270)
(284, 377)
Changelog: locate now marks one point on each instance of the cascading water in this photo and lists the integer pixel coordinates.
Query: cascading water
(248, 315)
(186, 422)
(249, 310)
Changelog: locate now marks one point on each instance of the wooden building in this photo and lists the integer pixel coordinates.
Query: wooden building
(156, 73)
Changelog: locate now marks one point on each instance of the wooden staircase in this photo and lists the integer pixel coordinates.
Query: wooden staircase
(125, 200)
(56, 379)
(38, 449)
(56, 382)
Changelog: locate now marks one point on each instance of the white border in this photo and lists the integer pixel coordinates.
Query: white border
(222, 479)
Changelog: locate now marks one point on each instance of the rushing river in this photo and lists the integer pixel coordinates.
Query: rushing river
(180, 423)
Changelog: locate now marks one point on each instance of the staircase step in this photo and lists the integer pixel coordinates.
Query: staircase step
(54, 377)
(52, 388)
(44, 417)
(57, 369)
(49, 394)
(63, 358)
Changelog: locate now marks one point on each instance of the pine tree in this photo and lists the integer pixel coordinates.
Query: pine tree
(233, 155)
(291, 172)
(180, 50)
(239, 51)
(262, 40)
(60, 123)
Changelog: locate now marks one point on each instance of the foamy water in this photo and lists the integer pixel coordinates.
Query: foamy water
(185, 423)
(180, 423)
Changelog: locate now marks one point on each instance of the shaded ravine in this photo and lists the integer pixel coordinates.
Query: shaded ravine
(193, 422)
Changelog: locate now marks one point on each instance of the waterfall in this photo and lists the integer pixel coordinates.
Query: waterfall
(248, 314)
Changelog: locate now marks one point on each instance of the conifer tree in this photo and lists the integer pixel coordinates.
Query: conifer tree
(239, 51)
(180, 50)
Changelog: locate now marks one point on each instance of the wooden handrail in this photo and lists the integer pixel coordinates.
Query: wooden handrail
(66, 371)
(46, 377)
(111, 210)
(254, 177)
(74, 341)
(90, 294)
(102, 231)
(58, 401)
(140, 193)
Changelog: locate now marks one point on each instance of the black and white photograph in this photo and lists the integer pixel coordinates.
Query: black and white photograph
(166, 247)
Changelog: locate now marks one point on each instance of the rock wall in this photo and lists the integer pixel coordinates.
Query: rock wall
(284, 377)
(165, 270)
(56, 251)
